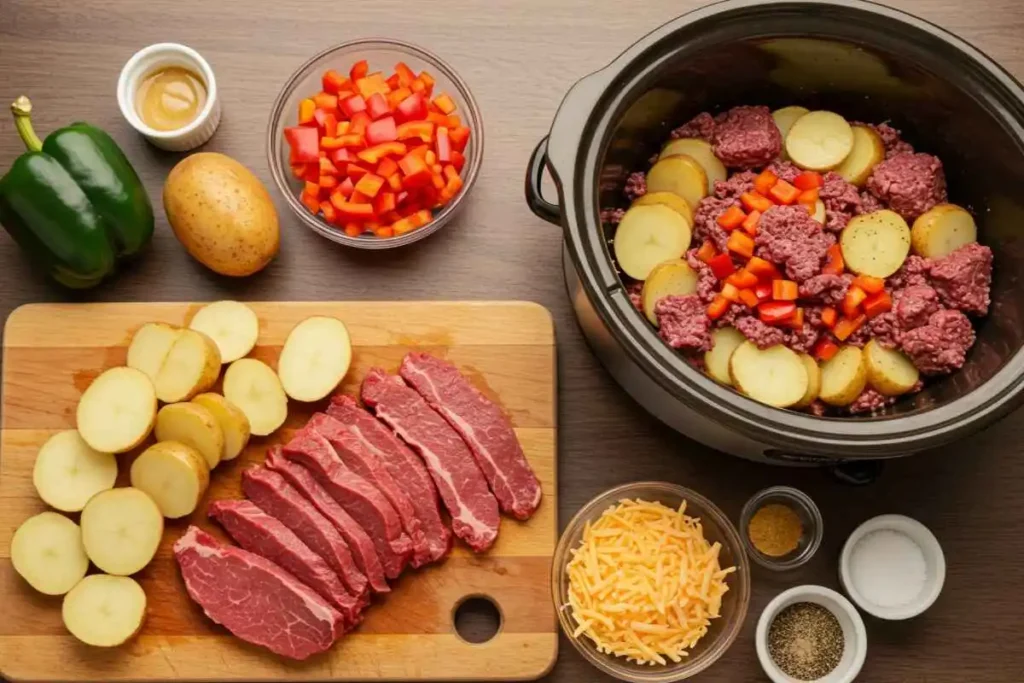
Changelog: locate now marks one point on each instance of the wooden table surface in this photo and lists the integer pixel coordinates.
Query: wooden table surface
(519, 57)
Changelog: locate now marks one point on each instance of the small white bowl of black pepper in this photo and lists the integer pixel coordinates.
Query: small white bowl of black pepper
(811, 633)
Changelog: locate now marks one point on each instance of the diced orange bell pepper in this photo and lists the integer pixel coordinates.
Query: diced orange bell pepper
(797, 321)
(418, 86)
(405, 75)
(877, 304)
(459, 138)
(328, 182)
(306, 109)
(427, 79)
(414, 170)
(384, 202)
(458, 160)
(847, 326)
(395, 181)
(358, 197)
(834, 265)
(384, 231)
(333, 82)
(825, 349)
(346, 187)
(359, 70)
(387, 166)
(731, 292)
(765, 270)
(750, 222)
(416, 220)
(376, 106)
(438, 180)
(381, 131)
(706, 252)
(732, 218)
(808, 180)
(784, 193)
(785, 290)
(871, 285)
(444, 103)
(355, 171)
(742, 278)
(439, 119)
(393, 82)
(350, 140)
(369, 184)
(416, 130)
(755, 202)
(749, 297)
(327, 167)
(718, 306)
(808, 196)
(326, 101)
(396, 96)
(740, 243)
(310, 201)
(430, 157)
(829, 316)
(299, 171)
(454, 121)
(353, 229)
(353, 212)
(312, 188)
(443, 146)
(764, 182)
(372, 84)
(360, 122)
(329, 212)
(851, 302)
(374, 155)
(330, 126)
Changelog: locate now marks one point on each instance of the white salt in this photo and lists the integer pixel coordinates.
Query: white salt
(888, 568)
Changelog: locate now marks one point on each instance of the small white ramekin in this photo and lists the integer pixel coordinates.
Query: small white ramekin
(854, 633)
(934, 561)
(161, 55)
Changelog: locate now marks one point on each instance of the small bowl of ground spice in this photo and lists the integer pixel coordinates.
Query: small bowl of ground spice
(781, 528)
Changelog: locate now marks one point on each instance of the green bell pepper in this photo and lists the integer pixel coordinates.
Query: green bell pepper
(74, 203)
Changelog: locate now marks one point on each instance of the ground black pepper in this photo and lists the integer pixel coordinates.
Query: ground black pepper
(806, 641)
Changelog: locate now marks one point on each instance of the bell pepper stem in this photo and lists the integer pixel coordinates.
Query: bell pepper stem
(22, 110)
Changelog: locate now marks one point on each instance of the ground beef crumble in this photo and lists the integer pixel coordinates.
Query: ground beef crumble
(909, 183)
(737, 184)
(683, 322)
(636, 185)
(939, 347)
(700, 126)
(963, 279)
(827, 288)
(788, 235)
(758, 332)
(841, 199)
(705, 221)
(746, 137)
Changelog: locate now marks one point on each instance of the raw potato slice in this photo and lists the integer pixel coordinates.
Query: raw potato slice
(868, 151)
(121, 530)
(785, 118)
(680, 174)
(889, 371)
(47, 551)
(116, 412)
(174, 475)
(231, 325)
(315, 358)
(670, 278)
(232, 421)
(194, 426)
(672, 201)
(775, 376)
(843, 377)
(700, 151)
(942, 230)
(647, 236)
(819, 212)
(68, 472)
(105, 611)
(875, 243)
(191, 367)
(813, 381)
(256, 390)
(150, 345)
(819, 141)
(724, 341)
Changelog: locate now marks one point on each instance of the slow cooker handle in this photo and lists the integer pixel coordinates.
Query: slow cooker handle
(552, 213)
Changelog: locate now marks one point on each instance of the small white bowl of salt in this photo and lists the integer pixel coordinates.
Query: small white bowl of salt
(892, 567)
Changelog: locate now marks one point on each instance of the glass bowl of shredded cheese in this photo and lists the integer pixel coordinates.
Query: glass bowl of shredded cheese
(651, 582)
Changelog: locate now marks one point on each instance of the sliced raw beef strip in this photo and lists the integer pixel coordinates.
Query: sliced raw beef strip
(405, 467)
(365, 463)
(255, 599)
(458, 478)
(358, 540)
(275, 496)
(259, 533)
(360, 498)
(482, 425)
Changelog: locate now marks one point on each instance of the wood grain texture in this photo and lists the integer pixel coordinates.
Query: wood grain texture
(44, 375)
(520, 57)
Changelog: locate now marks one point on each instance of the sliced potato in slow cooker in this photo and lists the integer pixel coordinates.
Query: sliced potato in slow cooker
(868, 151)
(819, 212)
(889, 371)
(784, 120)
(724, 342)
(701, 152)
(819, 141)
(875, 243)
(670, 278)
(680, 174)
(669, 199)
(775, 376)
(843, 377)
(648, 235)
(813, 381)
(942, 230)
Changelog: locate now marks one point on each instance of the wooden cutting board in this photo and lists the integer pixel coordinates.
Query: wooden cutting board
(52, 352)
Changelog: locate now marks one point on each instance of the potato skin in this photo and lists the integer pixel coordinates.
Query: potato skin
(222, 214)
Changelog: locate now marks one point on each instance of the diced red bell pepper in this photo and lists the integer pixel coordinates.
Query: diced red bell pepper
(427, 79)
(393, 82)
(405, 75)
(825, 349)
(395, 97)
(327, 167)
(749, 297)
(351, 211)
(443, 146)
(706, 252)
(808, 180)
(776, 311)
(415, 171)
(750, 222)
(333, 82)
(320, 116)
(377, 107)
(871, 285)
(847, 326)
(359, 70)
(785, 290)
(387, 166)
(808, 197)
(326, 101)
(797, 321)
(452, 185)
(730, 292)
(764, 182)
(419, 86)
(372, 84)
(353, 229)
(740, 243)
(742, 278)
(307, 109)
(395, 182)
(755, 202)
(784, 193)
(359, 198)
(346, 187)
(411, 222)
(459, 137)
(374, 155)
(312, 188)
(458, 160)
(330, 125)
(732, 218)
(416, 130)
(444, 103)
(382, 130)
(369, 184)
(721, 266)
(718, 306)
(877, 304)
(340, 157)
(351, 140)
(834, 265)
(851, 302)
(329, 212)
(763, 291)
(360, 122)
(430, 157)
(412, 108)
(384, 202)
(310, 201)
(305, 144)
(384, 231)
(765, 270)
(829, 316)
(350, 106)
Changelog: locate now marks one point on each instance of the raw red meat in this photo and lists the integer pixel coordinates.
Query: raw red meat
(254, 598)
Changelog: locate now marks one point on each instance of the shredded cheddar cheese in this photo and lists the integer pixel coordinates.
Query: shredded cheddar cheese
(644, 583)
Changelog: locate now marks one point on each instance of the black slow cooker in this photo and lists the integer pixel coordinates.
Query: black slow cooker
(866, 61)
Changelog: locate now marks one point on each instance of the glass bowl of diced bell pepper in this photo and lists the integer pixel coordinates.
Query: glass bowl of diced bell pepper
(375, 143)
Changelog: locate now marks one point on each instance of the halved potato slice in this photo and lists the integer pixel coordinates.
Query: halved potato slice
(680, 174)
(315, 358)
(149, 347)
(194, 426)
(174, 475)
(669, 278)
(724, 342)
(843, 377)
(672, 201)
(191, 367)
(231, 325)
(775, 376)
(232, 421)
(647, 236)
(813, 381)
(875, 243)
(104, 611)
(68, 472)
(116, 412)
(784, 120)
(121, 530)
(868, 151)
(819, 141)
(701, 152)
(47, 551)
(942, 230)
(819, 212)
(256, 390)
(890, 372)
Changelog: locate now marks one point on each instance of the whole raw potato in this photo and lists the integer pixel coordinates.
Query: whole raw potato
(222, 214)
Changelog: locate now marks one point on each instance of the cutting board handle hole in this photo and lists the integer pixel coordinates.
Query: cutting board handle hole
(477, 618)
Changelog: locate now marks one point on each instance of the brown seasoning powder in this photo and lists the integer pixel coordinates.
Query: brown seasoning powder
(806, 641)
(775, 530)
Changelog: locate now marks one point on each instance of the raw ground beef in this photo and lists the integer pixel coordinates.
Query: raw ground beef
(705, 221)
(884, 330)
(785, 170)
(746, 137)
(914, 306)
(803, 340)
(636, 185)
(788, 235)
(963, 278)
(707, 283)
(700, 126)
(827, 288)
(870, 401)
(612, 216)
(869, 203)
(939, 347)
(914, 271)
(893, 140)
(737, 184)
(909, 183)
(634, 291)
(841, 199)
(758, 332)
(683, 322)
